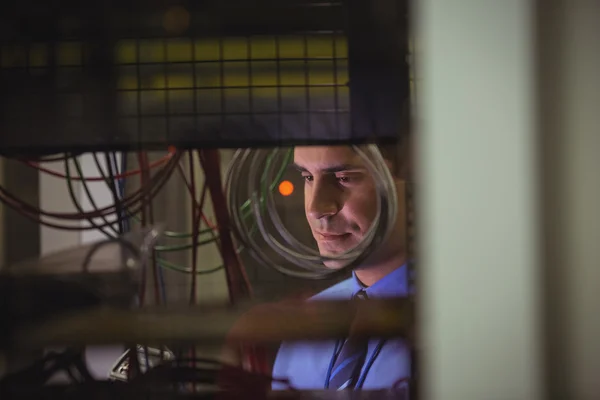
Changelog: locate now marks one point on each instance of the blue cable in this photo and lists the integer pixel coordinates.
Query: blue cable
(121, 187)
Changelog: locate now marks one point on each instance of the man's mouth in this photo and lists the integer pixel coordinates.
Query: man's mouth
(332, 237)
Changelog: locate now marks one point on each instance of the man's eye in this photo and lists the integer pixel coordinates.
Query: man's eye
(307, 178)
(346, 179)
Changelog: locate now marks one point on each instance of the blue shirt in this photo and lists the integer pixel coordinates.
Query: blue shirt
(305, 364)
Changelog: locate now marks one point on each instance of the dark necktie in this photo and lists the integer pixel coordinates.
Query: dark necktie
(347, 367)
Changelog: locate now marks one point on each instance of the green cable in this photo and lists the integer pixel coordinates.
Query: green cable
(186, 270)
(246, 212)
(161, 249)
(288, 158)
(177, 235)
(160, 261)
(272, 186)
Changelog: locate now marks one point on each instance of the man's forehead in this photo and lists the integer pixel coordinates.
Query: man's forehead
(326, 157)
(317, 153)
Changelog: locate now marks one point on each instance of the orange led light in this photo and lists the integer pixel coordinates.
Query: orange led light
(286, 188)
(176, 20)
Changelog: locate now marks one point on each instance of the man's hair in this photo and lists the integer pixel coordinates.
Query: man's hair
(399, 155)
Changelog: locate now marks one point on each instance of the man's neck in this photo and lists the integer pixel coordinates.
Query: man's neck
(369, 275)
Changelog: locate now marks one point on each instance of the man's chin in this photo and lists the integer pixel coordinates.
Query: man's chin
(333, 252)
(339, 264)
(334, 264)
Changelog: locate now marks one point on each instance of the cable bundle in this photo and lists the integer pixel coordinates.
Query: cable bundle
(114, 214)
(205, 376)
(211, 375)
(258, 167)
(135, 207)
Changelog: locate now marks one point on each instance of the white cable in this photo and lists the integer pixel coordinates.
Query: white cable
(255, 169)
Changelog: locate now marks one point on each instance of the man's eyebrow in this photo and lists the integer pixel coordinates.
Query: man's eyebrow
(298, 167)
(332, 168)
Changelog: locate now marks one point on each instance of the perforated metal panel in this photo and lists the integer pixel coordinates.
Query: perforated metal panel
(131, 74)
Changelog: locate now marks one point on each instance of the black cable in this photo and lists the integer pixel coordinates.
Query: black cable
(88, 193)
(119, 185)
(208, 372)
(34, 213)
(45, 368)
(112, 185)
(81, 367)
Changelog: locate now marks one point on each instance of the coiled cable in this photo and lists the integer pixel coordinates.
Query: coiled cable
(254, 169)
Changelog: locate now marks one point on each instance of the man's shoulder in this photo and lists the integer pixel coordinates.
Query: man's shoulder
(340, 291)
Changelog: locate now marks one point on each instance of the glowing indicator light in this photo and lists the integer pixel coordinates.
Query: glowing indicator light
(286, 188)
(176, 20)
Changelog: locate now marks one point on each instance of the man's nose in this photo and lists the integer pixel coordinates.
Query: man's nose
(323, 200)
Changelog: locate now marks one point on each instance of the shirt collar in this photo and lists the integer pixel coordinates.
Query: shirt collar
(394, 284)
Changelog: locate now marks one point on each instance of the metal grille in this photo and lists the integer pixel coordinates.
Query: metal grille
(129, 75)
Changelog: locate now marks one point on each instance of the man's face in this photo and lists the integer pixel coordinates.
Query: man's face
(339, 197)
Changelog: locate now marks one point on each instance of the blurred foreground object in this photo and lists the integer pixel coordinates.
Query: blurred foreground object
(103, 391)
(509, 194)
(259, 324)
(105, 273)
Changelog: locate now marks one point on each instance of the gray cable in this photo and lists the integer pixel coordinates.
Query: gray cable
(260, 164)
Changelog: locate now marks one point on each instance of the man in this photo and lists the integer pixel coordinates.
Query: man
(340, 205)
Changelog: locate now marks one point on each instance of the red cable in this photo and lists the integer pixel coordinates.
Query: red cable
(128, 203)
(122, 175)
(220, 206)
(247, 358)
(213, 182)
(255, 356)
(142, 295)
(193, 194)
(195, 228)
(200, 206)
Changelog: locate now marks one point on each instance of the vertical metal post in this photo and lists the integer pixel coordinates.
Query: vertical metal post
(479, 266)
(569, 114)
